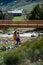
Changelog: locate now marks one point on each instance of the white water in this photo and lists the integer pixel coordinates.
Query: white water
(21, 35)
(28, 34)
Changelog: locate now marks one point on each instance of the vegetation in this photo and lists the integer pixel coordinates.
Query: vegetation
(22, 17)
(36, 13)
(29, 6)
(30, 51)
(23, 4)
(1, 15)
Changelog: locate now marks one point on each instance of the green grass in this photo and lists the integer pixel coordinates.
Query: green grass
(1, 54)
(18, 17)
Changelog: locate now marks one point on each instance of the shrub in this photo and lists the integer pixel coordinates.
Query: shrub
(35, 50)
(11, 58)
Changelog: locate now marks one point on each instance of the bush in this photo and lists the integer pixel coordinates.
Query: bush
(11, 58)
(35, 50)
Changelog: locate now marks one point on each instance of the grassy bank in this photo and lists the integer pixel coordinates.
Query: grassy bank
(30, 52)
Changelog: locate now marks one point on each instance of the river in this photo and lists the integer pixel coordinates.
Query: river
(21, 35)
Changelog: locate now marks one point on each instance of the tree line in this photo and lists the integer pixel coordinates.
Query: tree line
(36, 13)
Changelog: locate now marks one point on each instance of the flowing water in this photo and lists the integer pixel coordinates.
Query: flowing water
(21, 35)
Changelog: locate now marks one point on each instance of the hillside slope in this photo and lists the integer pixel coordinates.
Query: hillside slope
(6, 5)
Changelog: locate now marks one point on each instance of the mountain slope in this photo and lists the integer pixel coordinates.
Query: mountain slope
(6, 5)
(9, 1)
